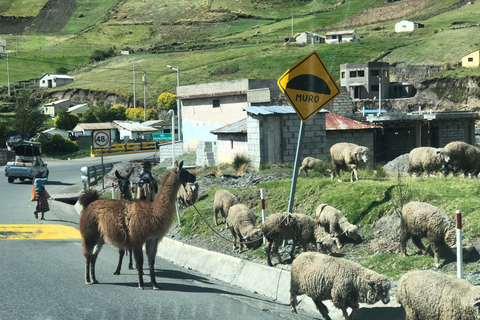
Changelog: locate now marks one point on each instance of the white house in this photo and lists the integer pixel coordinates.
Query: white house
(341, 36)
(134, 130)
(471, 60)
(407, 26)
(3, 45)
(49, 80)
(308, 38)
(52, 108)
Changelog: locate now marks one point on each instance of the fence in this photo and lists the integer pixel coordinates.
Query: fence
(95, 172)
(124, 148)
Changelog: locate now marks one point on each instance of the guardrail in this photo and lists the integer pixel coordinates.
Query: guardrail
(125, 148)
(95, 172)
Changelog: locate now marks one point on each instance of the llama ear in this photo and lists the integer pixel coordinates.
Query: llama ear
(180, 166)
(117, 174)
(131, 171)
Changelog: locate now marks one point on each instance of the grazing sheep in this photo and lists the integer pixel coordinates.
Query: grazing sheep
(309, 163)
(463, 158)
(422, 220)
(335, 223)
(427, 159)
(346, 283)
(345, 155)
(222, 202)
(299, 227)
(188, 195)
(241, 221)
(430, 295)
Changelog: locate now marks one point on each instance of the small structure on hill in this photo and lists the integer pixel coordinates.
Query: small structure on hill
(407, 26)
(49, 80)
(471, 60)
(341, 36)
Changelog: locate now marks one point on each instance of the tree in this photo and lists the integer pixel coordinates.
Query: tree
(134, 114)
(89, 116)
(167, 101)
(65, 120)
(28, 116)
(152, 114)
(117, 112)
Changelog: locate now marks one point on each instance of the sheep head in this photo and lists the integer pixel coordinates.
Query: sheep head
(361, 154)
(443, 154)
(351, 231)
(375, 290)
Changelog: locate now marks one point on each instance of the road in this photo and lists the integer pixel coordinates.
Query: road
(42, 268)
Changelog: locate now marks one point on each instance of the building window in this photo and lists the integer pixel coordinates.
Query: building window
(385, 73)
(231, 144)
(361, 73)
(343, 74)
(353, 74)
(470, 59)
(334, 37)
(216, 103)
(374, 88)
(374, 73)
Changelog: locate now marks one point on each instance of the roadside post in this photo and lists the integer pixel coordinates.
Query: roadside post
(101, 140)
(262, 197)
(459, 246)
(309, 87)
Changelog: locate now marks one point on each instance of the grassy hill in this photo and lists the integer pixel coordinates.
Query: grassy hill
(205, 38)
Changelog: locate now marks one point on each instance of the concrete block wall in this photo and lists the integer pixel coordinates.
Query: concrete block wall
(342, 105)
(165, 150)
(206, 153)
(253, 137)
(453, 131)
(359, 137)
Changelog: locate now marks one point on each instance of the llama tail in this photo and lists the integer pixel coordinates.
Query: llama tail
(88, 196)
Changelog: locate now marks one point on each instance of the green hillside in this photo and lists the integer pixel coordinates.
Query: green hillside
(206, 37)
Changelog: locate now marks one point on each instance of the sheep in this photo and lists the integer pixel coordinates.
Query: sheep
(420, 220)
(188, 195)
(335, 223)
(345, 155)
(299, 227)
(346, 283)
(309, 163)
(222, 202)
(427, 159)
(463, 158)
(430, 295)
(241, 221)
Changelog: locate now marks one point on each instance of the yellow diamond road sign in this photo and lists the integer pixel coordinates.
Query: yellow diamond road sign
(309, 86)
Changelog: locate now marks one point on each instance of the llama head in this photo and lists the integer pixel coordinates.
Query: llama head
(124, 184)
(184, 175)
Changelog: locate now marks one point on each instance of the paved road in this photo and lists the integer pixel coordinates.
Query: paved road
(42, 270)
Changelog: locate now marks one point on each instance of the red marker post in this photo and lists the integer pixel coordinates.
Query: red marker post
(262, 197)
(459, 246)
(113, 191)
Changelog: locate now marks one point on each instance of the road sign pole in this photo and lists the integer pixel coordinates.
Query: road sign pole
(103, 170)
(295, 168)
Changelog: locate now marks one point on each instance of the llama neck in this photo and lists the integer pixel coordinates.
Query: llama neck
(167, 193)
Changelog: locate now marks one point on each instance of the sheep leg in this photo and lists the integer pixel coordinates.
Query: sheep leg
(294, 246)
(215, 214)
(418, 242)
(121, 253)
(293, 303)
(404, 236)
(235, 240)
(268, 247)
(275, 252)
(352, 314)
(322, 309)
(137, 251)
(436, 254)
(151, 248)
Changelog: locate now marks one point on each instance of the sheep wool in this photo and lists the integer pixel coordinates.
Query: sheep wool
(346, 283)
(347, 155)
(241, 222)
(463, 158)
(222, 202)
(334, 222)
(188, 194)
(428, 160)
(423, 220)
(430, 295)
(308, 163)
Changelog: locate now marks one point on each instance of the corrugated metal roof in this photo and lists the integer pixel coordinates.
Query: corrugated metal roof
(339, 32)
(273, 110)
(235, 127)
(94, 126)
(156, 123)
(134, 126)
(337, 122)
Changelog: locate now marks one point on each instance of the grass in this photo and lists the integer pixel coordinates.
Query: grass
(24, 8)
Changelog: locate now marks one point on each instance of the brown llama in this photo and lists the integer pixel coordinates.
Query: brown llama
(130, 223)
(124, 192)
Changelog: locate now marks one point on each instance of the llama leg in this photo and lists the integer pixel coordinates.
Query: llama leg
(130, 262)
(137, 251)
(151, 248)
(93, 260)
(121, 253)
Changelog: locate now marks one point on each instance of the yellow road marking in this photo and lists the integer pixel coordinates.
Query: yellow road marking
(37, 232)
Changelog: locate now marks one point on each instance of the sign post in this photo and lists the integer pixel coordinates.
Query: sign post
(309, 87)
(101, 140)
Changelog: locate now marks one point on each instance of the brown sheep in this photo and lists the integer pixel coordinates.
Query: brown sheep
(309, 163)
(347, 155)
(334, 222)
(463, 158)
(222, 202)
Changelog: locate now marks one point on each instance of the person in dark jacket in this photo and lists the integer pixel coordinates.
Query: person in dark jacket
(147, 185)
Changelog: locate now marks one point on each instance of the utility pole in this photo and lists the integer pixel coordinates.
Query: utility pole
(8, 76)
(144, 79)
(134, 98)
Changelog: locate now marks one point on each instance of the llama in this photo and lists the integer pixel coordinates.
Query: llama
(130, 223)
(124, 192)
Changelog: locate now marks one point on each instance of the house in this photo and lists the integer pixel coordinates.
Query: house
(134, 130)
(52, 108)
(307, 37)
(472, 59)
(78, 109)
(161, 126)
(206, 107)
(3, 45)
(231, 141)
(49, 80)
(341, 36)
(83, 133)
(47, 134)
(407, 26)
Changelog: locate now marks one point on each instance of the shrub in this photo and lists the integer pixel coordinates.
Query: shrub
(60, 144)
(240, 161)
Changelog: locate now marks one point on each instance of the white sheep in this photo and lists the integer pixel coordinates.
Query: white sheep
(430, 295)
(188, 194)
(423, 220)
(334, 222)
(222, 202)
(349, 155)
(241, 221)
(346, 283)
(309, 163)
(427, 159)
(301, 228)
(463, 158)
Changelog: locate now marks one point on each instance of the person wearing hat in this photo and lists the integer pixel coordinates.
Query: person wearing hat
(147, 185)
(41, 195)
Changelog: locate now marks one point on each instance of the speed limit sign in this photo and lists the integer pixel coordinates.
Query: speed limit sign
(101, 139)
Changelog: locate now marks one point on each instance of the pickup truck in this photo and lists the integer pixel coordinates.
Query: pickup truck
(27, 161)
(25, 167)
